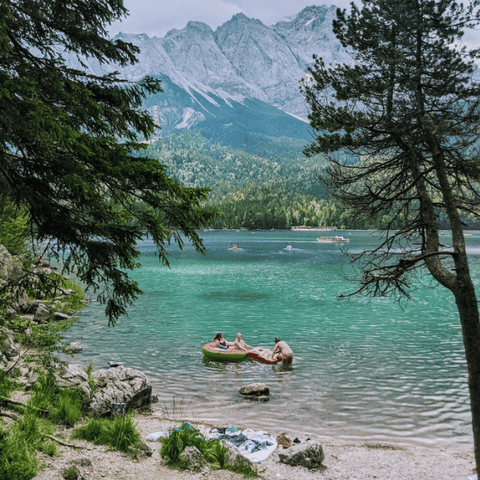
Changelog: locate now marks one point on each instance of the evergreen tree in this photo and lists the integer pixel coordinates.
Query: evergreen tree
(68, 140)
(408, 107)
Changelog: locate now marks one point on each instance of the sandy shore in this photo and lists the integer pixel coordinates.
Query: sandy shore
(343, 461)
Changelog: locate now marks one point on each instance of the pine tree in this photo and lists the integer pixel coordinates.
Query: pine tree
(69, 141)
(408, 109)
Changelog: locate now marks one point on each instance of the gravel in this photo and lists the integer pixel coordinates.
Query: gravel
(343, 461)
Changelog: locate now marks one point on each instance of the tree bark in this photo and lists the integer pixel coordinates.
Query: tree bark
(467, 305)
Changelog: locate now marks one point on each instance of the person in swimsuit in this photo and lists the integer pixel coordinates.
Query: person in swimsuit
(240, 343)
(219, 340)
(282, 351)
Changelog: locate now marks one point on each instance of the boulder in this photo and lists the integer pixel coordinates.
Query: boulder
(309, 454)
(11, 270)
(119, 385)
(58, 316)
(8, 348)
(234, 458)
(256, 391)
(193, 458)
(42, 314)
(74, 376)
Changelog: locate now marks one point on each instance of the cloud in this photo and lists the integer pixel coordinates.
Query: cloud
(157, 17)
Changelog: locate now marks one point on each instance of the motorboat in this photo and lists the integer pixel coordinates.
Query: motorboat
(334, 239)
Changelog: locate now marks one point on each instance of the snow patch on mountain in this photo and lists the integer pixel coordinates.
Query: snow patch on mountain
(190, 118)
(241, 59)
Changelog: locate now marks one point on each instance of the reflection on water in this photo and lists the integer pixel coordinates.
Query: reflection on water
(363, 367)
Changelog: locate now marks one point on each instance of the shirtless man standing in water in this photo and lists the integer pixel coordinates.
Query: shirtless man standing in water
(282, 351)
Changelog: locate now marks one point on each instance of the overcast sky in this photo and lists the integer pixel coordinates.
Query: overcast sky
(157, 17)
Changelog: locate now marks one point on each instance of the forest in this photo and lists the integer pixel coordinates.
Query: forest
(272, 186)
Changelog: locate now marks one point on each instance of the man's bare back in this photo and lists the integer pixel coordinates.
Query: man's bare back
(283, 352)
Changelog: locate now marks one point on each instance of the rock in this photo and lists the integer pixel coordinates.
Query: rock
(81, 469)
(10, 313)
(22, 302)
(256, 391)
(114, 364)
(74, 347)
(192, 458)
(42, 314)
(234, 458)
(58, 316)
(119, 385)
(72, 473)
(11, 270)
(309, 455)
(8, 348)
(74, 376)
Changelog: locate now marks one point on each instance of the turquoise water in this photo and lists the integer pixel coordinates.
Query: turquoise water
(363, 367)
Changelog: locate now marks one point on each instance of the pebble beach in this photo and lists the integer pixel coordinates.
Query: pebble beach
(343, 461)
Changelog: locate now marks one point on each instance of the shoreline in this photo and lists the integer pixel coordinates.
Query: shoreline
(343, 460)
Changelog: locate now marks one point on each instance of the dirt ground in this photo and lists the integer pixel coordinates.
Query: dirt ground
(343, 461)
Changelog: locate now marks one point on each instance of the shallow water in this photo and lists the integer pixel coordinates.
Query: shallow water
(363, 367)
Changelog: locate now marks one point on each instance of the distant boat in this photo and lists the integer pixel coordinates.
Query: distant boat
(288, 247)
(334, 239)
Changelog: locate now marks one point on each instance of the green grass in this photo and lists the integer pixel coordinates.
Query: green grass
(67, 409)
(18, 460)
(64, 406)
(119, 433)
(19, 444)
(7, 384)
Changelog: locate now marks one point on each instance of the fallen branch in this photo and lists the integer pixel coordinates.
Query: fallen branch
(61, 442)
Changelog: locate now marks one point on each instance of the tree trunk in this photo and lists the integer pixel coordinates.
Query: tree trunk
(469, 318)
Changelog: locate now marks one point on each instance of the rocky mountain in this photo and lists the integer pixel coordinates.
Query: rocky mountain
(244, 66)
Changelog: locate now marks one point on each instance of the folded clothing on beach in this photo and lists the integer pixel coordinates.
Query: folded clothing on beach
(256, 446)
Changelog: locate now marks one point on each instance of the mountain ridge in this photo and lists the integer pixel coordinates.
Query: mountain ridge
(219, 70)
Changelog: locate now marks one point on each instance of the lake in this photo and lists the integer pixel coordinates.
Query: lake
(364, 367)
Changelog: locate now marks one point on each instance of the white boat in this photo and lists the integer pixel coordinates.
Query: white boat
(288, 247)
(334, 239)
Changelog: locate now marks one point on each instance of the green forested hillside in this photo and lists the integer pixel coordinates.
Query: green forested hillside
(277, 190)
